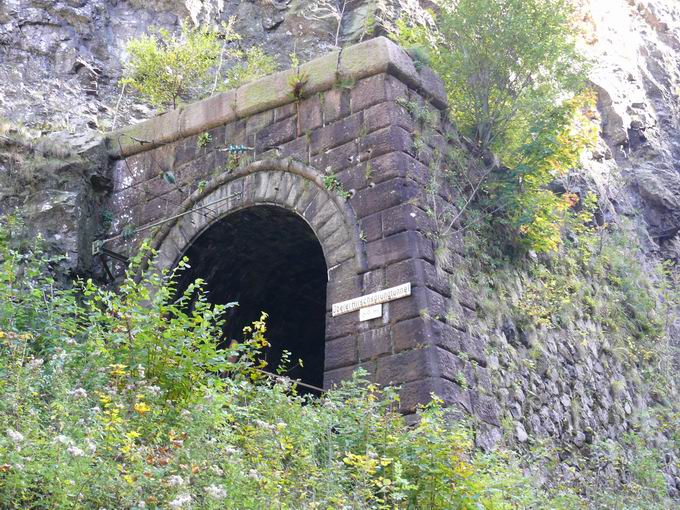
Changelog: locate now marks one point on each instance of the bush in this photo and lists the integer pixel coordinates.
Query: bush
(514, 81)
(165, 68)
(120, 400)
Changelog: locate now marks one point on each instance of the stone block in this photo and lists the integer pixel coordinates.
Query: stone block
(375, 56)
(371, 227)
(335, 105)
(421, 271)
(310, 114)
(342, 290)
(320, 73)
(393, 249)
(353, 178)
(336, 134)
(385, 114)
(485, 408)
(255, 123)
(275, 135)
(264, 94)
(384, 196)
(297, 149)
(368, 92)
(285, 111)
(341, 352)
(405, 367)
(383, 141)
(407, 216)
(432, 87)
(451, 366)
(185, 151)
(417, 393)
(211, 112)
(334, 377)
(333, 160)
(374, 343)
(409, 334)
(373, 281)
(423, 302)
(235, 133)
(342, 325)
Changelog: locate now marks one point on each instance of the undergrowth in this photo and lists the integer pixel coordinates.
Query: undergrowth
(127, 399)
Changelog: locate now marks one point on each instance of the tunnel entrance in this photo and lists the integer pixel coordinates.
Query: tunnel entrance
(267, 259)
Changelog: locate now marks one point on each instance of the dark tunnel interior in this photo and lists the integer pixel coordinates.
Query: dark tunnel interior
(267, 259)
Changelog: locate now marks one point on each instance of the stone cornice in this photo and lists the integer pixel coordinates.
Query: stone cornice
(372, 57)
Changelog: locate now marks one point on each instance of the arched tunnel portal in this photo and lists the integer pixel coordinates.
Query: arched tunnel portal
(269, 259)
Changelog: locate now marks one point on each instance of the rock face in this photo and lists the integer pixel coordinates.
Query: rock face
(635, 47)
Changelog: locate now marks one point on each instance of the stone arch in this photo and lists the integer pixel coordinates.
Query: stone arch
(295, 191)
(281, 182)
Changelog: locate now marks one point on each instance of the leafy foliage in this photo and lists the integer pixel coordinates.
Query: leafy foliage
(513, 78)
(165, 68)
(120, 400)
(252, 64)
(504, 62)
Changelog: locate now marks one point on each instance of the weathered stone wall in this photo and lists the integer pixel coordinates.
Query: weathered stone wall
(350, 123)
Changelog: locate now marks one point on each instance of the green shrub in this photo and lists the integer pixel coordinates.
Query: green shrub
(513, 78)
(253, 64)
(120, 400)
(165, 68)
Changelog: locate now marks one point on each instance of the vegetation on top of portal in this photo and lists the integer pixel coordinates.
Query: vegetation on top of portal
(165, 68)
(515, 84)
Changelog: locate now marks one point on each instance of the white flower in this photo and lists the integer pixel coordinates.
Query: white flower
(79, 393)
(175, 481)
(217, 470)
(185, 413)
(91, 446)
(15, 436)
(181, 501)
(153, 390)
(141, 371)
(216, 492)
(63, 439)
(254, 474)
(75, 451)
(70, 341)
(35, 363)
(264, 425)
(141, 504)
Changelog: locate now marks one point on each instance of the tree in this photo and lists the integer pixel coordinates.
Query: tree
(514, 81)
(504, 62)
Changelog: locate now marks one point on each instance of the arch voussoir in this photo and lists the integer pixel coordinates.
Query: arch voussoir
(285, 183)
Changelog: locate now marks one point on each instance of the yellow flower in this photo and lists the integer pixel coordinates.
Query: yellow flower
(117, 370)
(142, 407)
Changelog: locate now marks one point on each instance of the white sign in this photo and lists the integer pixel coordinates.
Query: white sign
(370, 312)
(382, 296)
